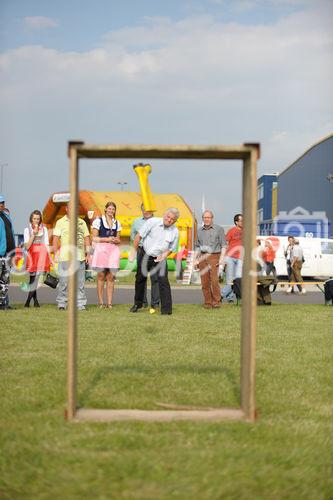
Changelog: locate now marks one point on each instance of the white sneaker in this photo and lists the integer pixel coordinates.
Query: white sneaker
(289, 289)
(303, 291)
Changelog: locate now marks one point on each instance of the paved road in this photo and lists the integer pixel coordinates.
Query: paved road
(181, 295)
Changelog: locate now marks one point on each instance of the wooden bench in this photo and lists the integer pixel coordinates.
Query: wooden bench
(302, 283)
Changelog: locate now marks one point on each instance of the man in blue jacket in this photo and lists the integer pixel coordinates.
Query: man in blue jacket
(7, 245)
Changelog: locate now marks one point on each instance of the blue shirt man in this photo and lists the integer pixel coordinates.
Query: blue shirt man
(159, 239)
(7, 245)
(139, 222)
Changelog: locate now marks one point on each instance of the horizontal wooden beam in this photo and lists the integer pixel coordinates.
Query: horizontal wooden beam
(164, 151)
(104, 415)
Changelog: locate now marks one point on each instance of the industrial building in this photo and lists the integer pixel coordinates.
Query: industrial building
(299, 201)
(267, 202)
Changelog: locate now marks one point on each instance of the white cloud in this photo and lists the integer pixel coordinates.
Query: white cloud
(39, 22)
(194, 55)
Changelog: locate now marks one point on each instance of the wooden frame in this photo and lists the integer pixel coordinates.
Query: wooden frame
(248, 153)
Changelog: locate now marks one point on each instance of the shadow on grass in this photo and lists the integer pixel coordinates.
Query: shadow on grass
(105, 371)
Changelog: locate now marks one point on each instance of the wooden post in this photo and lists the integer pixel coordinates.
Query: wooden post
(72, 289)
(249, 292)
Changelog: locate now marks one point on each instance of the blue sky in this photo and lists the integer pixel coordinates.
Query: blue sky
(205, 72)
(91, 20)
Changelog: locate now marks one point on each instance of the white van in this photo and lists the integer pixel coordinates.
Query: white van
(318, 256)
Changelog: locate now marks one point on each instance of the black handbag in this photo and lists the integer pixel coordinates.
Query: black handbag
(51, 281)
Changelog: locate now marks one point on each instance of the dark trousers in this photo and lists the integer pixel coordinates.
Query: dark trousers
(33, 283)
(270, 268)
(289, 269)
(146, 264)
(154, 292)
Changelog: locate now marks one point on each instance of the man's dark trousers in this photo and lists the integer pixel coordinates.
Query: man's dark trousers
(154, 292)
(147, 264)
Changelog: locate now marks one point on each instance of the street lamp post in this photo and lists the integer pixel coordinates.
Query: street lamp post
(2, 166)
(122, 184)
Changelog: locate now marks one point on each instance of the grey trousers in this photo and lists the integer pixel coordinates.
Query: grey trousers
(62, 297)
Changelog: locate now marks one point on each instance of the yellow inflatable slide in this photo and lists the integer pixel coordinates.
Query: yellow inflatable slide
(91, 205)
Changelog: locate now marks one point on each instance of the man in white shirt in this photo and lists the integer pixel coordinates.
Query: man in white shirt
(159, 238)
(135, 227)
(287, 254)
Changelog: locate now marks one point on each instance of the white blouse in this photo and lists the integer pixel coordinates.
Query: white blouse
(41, 237)
(97, 224)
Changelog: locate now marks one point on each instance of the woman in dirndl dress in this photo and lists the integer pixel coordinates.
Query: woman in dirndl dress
(106, 256)
(36, 241)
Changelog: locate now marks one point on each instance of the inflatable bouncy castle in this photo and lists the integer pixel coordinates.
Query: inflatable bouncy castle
(92, 203)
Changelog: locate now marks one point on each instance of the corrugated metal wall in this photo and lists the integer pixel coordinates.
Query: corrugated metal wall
(305, 182)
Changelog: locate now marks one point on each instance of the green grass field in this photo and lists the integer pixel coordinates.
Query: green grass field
(191, 358)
